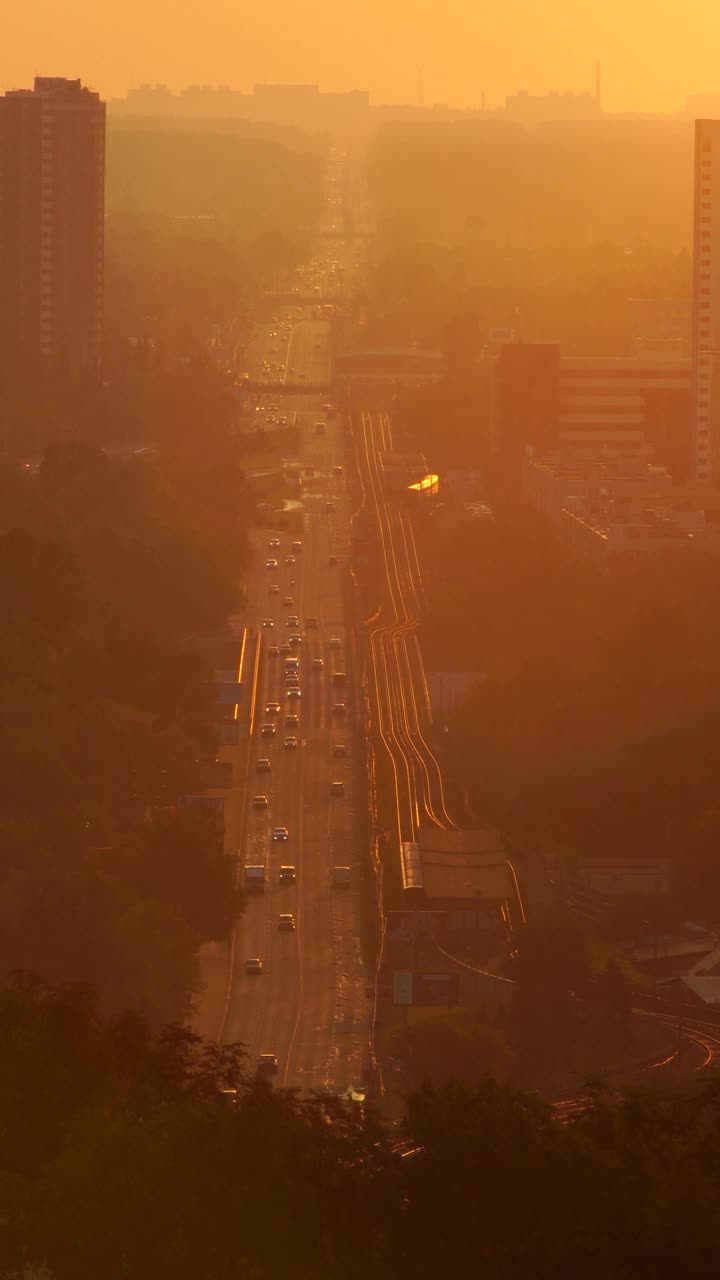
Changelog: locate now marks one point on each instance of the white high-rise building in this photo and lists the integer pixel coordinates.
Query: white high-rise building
(706, 304)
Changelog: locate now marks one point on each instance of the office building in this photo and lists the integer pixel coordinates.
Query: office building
(591, 404)
(52, 177)
(706, 304)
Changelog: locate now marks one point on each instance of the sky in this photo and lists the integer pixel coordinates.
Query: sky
(653, 52)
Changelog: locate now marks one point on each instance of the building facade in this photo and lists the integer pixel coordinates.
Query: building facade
(706, 304)
(592, 404)
(52, 204)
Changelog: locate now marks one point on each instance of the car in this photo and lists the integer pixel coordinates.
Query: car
(253, 965)
(297, 545)
(329, 506)
(267, 623)
(317, 664)
(339, 709)
(259, 802)
(311, 624)
(290, 744)
(271, 563)
(267, 731)
(280, 833)
(286, 922)
(274, 588)
(263, 765)
(292, 720)
(339, 751)
(272, 708)
(273, 651)
(292, 680)
(293, 693)
(319, 428)
(335, 643)
(287, 874)
(290, 560)
(285, 647)
(337, 788)
(282, 420)
(295, 639)
(337, 471)
(288, 602)
(292, 620)
(270, 419)
(267, 1064)
(274, 542)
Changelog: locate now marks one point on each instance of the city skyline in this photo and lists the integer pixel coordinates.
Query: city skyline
(650, 59)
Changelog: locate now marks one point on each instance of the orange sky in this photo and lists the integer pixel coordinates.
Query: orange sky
(653, 51)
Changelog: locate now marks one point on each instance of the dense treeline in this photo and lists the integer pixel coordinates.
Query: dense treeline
(579, 184)
(484, 227)
(105, 568)
(241, 175)
(126, 1154)
(596, 723)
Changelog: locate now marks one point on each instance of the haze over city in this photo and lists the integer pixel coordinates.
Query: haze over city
(653, 54)
(360, 641)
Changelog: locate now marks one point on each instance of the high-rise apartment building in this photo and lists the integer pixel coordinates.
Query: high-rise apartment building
(52, 180)
(706, 304)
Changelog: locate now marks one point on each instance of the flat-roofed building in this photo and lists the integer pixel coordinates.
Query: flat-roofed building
(592, 404)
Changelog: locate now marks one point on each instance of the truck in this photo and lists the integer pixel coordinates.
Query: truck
(255, 877)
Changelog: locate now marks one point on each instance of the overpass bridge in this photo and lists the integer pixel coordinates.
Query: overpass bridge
(304, 300)
(289, 388)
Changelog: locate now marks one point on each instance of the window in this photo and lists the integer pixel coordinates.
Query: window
(707, 146)
(706, 219)
(706, 204)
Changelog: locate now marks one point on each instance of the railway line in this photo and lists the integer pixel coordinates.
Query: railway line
(395, 661)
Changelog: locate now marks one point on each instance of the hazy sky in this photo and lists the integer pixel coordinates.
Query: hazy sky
(653, 51)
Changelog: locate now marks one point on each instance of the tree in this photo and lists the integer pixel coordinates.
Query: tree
(448, 1044)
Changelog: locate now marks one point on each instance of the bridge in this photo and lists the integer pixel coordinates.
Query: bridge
(304, 300)
(289, 388)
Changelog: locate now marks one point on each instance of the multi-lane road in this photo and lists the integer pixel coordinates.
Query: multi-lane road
(309, 1004)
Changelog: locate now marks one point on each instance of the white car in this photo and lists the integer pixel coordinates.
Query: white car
(280, 833)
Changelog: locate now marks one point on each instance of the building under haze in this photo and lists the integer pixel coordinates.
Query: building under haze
(590, 404)
(52, 180)
(706, 304)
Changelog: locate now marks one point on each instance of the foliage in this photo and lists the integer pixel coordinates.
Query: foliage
(105, 567)
(125, 1154)
(448, 1044)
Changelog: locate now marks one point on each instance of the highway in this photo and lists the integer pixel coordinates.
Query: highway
(309, 1005)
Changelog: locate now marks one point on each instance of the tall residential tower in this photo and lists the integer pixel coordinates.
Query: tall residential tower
(706, 304)
(52, 180)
